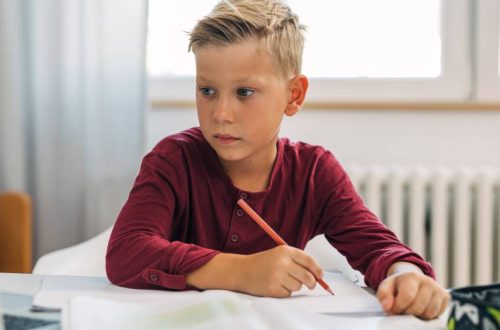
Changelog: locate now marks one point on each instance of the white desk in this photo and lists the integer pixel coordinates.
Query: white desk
(30, 284)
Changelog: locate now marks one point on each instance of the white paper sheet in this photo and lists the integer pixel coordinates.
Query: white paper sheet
(348, 299)
(218, 310)
(208, 311)
(212, 311)
(55, 291)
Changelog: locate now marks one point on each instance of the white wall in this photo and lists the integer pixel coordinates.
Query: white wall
(470, 138)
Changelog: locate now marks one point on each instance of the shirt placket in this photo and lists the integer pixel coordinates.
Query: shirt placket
(234, 239)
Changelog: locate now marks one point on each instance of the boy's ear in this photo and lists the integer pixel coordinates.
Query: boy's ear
(297, 90)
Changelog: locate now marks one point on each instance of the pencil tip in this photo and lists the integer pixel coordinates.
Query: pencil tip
(331, 292)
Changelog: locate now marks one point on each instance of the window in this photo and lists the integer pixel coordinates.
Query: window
(167, 49)
(356, 50)
(337, 44)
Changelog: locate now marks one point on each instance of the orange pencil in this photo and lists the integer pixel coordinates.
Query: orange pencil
(274, 235)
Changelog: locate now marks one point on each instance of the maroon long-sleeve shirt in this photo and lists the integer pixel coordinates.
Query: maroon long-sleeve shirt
(182, 211)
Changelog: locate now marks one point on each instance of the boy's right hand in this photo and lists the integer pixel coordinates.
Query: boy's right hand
(277, 272)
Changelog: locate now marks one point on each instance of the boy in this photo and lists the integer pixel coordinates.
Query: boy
(181, 227)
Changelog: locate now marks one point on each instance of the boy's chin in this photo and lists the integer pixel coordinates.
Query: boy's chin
(228, 158)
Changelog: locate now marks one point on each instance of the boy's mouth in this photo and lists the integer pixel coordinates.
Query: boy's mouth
(225, 138)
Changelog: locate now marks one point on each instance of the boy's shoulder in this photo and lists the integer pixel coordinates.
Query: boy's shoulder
(303, 149)
(305, 158)
(191, 138)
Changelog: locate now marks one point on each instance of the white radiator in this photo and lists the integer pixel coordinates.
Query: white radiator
(449, 216)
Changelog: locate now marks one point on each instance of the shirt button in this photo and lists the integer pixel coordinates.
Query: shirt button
(234, 237)
(243, 195)
(240, 212)
(153, 277)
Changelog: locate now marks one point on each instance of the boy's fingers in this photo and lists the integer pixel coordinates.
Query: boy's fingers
(292, 284)
(303, 275)
(437, 305)
(445, 303)
(407, 291)
(421, 301)
(433, 307)
(386, 292)
(280, 292)
(303, 259)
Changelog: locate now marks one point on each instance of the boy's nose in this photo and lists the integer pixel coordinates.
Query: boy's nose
(223, 112)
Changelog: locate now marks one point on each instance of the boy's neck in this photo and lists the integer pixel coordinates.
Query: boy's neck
(251, 175)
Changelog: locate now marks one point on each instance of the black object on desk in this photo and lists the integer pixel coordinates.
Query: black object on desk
(16, 322)
(15, 314)
(475, 307)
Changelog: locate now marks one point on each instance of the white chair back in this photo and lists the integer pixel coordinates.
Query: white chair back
(84, 259)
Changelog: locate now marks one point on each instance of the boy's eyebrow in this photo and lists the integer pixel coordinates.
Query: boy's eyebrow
(249, 79)
(200, 78)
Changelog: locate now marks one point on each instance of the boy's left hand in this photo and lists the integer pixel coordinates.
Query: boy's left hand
(406, 290)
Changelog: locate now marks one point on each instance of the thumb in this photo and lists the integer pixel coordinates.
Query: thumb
(385, 293)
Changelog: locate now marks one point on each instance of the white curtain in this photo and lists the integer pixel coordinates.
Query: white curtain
(72, 107)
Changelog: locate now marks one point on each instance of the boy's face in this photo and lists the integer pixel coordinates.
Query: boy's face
(240, 99)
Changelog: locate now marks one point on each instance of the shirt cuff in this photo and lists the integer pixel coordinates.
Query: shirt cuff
(159, 278)
(380, 273)
(156, 277)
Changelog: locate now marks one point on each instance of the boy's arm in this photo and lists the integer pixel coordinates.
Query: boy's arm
(354, 230)
(276, 272)
(404, 279)
(143, 251)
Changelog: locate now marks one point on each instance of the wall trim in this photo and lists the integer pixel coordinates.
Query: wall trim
(158, 105)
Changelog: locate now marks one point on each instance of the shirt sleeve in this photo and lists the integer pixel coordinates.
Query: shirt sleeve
(354, 230)
(143, 251)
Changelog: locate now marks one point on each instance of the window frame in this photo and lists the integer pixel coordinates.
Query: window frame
(453, 85)
(487, 51)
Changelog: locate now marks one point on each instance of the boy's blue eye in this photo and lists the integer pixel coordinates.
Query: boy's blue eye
(206, 91)
(245, 92)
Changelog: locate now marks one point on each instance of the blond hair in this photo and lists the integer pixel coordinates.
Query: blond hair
(270, 21)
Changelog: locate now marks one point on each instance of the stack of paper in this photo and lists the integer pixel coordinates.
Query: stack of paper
(93, 303)
(214, 311)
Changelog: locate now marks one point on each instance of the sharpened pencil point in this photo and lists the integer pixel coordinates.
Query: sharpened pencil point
(331, 292)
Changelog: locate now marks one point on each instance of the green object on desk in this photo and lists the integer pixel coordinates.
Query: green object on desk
(451, 323)
(475, 307)
(495, 312)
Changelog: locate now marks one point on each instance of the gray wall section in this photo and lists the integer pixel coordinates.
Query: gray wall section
(428, 138)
